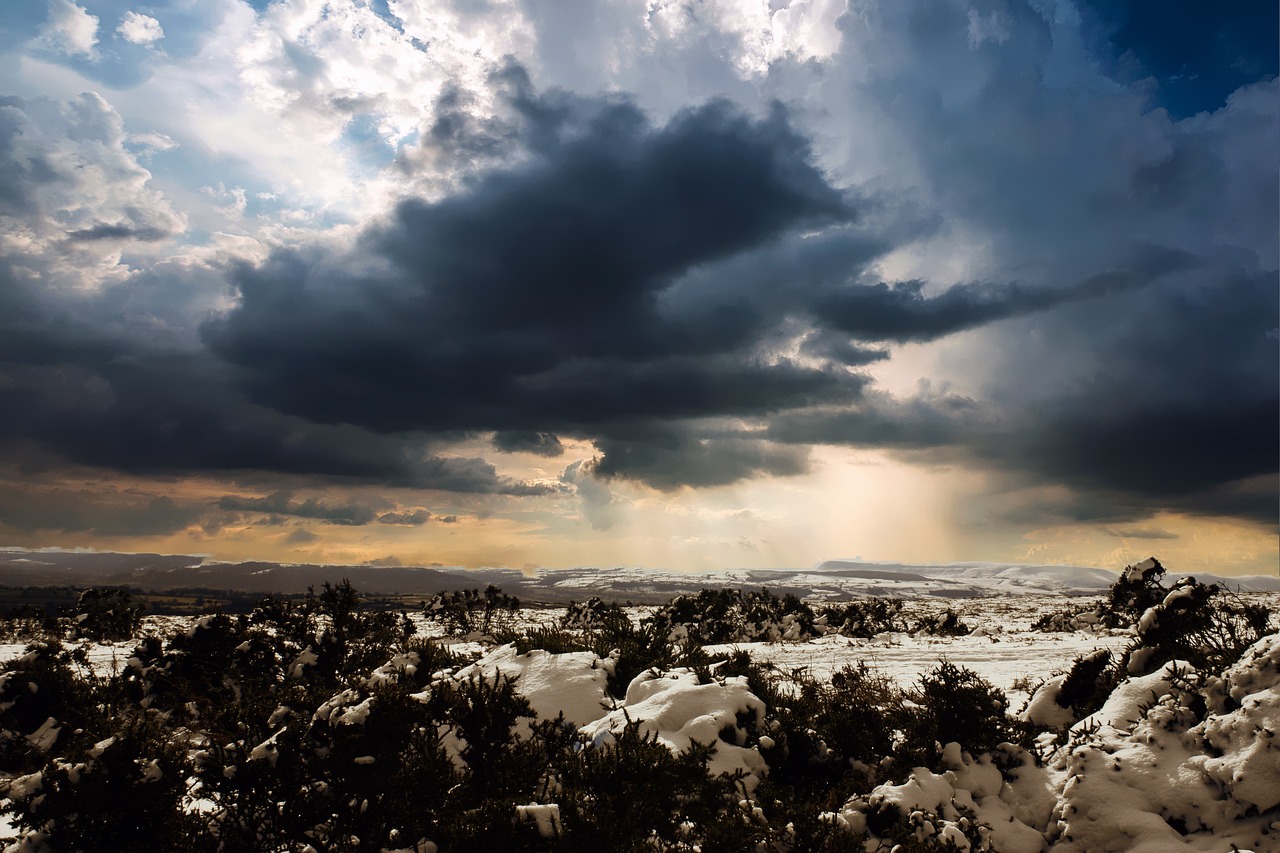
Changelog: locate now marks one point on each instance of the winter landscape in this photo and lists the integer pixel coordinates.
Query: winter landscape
(728, 719)
(592, 425)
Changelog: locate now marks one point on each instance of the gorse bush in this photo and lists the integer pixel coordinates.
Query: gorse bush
(1204, 625)
(319, 723)
(471, 612)
(736, 616)
(952, 704)
(106, 614)
(865, 617)
(945, 624)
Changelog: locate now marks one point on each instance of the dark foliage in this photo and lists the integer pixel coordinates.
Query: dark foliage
(736, 616)
(470, 612)
(1205, 625)
(945, 624)
(105, 614)
(1088, 683)
(865, 617)
(952, 703)
(319, 721)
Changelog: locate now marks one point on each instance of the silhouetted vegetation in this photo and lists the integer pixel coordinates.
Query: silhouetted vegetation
(318, 721)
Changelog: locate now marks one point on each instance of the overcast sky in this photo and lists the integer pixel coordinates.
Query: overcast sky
(681, 283)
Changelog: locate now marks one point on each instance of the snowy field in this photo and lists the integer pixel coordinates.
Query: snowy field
(1164, 764)
(1002, 648)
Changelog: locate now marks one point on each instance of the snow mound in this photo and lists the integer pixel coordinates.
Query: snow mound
(1145, 774)
(678, 710)
(1044, 708)
(573, 683)
(969, 802)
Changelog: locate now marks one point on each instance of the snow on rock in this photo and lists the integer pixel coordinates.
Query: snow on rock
(678, 710)
(573, 683)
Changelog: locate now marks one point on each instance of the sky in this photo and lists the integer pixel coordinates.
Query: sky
(689, 284)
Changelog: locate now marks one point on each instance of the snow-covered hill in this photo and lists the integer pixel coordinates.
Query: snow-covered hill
(833, 579)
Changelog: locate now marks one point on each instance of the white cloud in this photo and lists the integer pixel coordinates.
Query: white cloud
(140, 29)
(152, 143)
(77, 196)
(761, 32)
(71, 29)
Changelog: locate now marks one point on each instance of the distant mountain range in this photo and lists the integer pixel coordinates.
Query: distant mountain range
(834, 579)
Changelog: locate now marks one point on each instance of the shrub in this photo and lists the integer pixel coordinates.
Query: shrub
(1137, 589)
(1089, 682)
(593, 614)
(553, 640)
(128, 787)
(945, 624)
(734, 616)
(865, 617)
(951, 703)
(1205, 625)
(45, 705)
(633, 793)
(469, 612)
(106, 614)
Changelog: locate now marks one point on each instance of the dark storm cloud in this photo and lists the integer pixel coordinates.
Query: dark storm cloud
(96, 396)
(1179, 412)
(651, 286)
(933, 418)
(627, 272)
(76, 512)
(668, 457)
(532, 297)
(1183, 404)
(901, 312)
(408, 517)
(524, 441)
(282, 503)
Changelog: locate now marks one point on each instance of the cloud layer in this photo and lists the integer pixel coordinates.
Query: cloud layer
(518, 252)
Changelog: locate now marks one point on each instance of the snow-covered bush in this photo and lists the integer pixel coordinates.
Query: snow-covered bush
(1203, 624)
(594, 614)
(865, 617)
(952, 703)
(944, 624)
(44, 701)
(108, 613)
(469, 611)
(1169, 762)
(320, 724)
(126, 790)
(736, 616)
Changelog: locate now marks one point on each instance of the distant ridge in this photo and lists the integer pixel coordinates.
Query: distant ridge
(833, 579)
